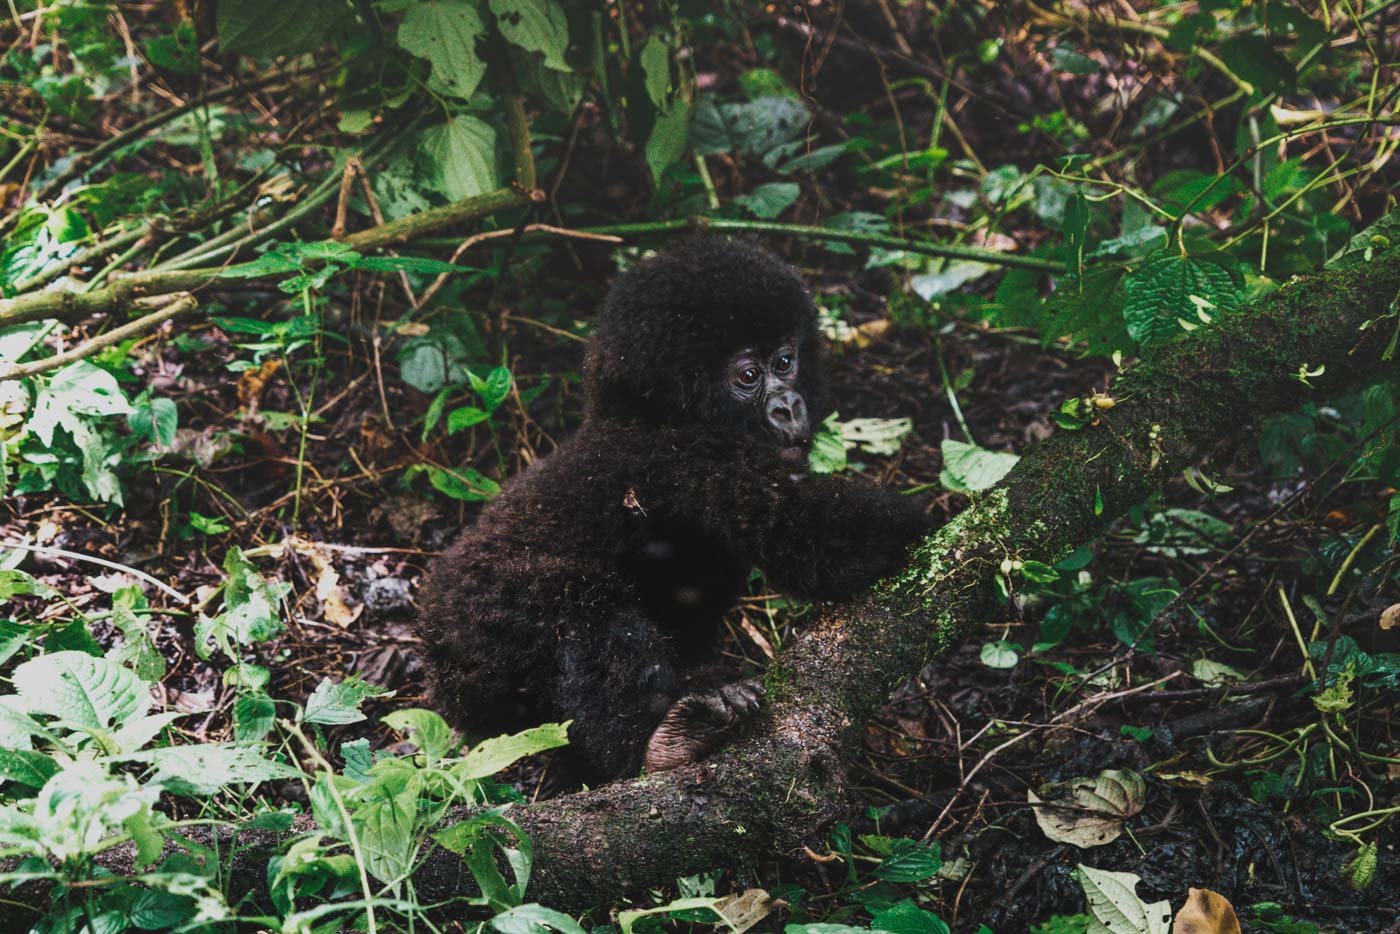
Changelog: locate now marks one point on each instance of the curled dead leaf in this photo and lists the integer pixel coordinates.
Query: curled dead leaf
(1206, 912)
(253, 383)
(1390, 617)
(1089, 811)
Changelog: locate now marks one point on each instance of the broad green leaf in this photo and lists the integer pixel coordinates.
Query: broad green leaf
(1115, 906)
(268, 28)
(465, 417)
(535, 919)
(430, 732)
(82, 690)
(445, 33)
(154, 419)
(905, 917)
(464, 483)
(385, 827)
(769, 200)
(668, 138)
(627, 920)
(910, 861)
(490, 756)
(332, 703)
(828, 453)
(1000, 655)
(464, 151)
(1256, 61)
(1171, 293)
(536, 26)
(253, 717)
(26, 767)
(204, 768)
(970, 469)
(656, 65)
(83, 389)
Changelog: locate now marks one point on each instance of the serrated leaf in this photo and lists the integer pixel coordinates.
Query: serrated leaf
(490, 756)
(332, 704)
(535, 919)
(267, 28)
(445, 33)
(828, 454)
(1160, 292)
(82, 690)
(769, 200)
(535, 26)
(463, 149)
(204, 768)
(26, 767)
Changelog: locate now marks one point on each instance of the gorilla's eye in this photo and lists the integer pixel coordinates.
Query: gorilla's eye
(749, 375)
(782, 363)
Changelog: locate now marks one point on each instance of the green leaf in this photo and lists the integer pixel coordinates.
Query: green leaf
(463, 483)
(385, 828)
(445, 33)
(26, 767)
(332, 703)
(253, 717)
(769, 200)
(465, 417)
(464, 151)
(1115, 906)
(656, 65)
(1170, 293)
(82, 690)
(905, 917)
(1259, 63)
(535, 26)
(1000, 655)
(669, 136)
(154, 419)
(534, 919)
(970, 469)
(490, 756)
(493, 389)
(828, 453)
(430, 731)
(203, 769)
(910, 861)
(268, 28)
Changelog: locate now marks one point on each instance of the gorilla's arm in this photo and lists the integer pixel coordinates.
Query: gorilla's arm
(832, 538)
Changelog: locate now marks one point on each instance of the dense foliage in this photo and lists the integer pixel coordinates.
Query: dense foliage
(287, 288)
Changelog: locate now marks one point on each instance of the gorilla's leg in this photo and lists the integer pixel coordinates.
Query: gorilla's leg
(617, 678)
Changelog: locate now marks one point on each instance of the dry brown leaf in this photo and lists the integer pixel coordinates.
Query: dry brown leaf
(1089, 811)
(1390, 617)
(1206, 912)
(252, 383)
(744, 910)
(333, 605)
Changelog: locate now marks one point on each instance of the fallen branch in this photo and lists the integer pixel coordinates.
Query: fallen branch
(785, 783)
(182, 303)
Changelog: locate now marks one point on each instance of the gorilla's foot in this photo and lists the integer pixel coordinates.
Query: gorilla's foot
(698, 722)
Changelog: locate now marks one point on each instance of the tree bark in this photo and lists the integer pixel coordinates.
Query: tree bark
(786, 781)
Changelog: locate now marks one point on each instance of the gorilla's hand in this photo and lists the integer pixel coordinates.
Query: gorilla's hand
(698, 722)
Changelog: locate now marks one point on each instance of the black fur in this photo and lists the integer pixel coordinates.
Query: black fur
(593, 587)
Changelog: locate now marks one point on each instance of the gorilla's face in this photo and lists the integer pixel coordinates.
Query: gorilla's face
(761, 384)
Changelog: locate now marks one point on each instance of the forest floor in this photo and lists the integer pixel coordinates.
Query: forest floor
(931, 757)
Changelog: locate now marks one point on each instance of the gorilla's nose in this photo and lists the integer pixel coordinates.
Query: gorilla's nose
(787, 415)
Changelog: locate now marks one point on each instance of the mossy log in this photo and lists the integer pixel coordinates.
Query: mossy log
(783, 784)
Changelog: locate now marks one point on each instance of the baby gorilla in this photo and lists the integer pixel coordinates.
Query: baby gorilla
(592, 589)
